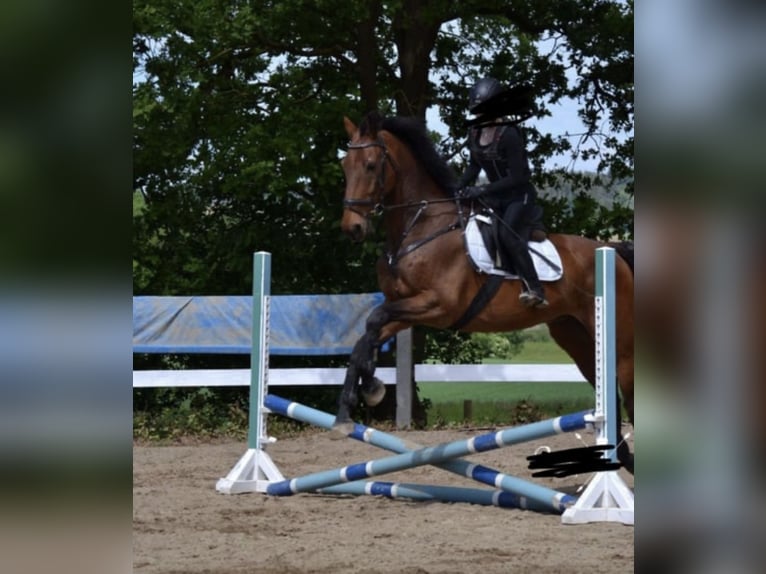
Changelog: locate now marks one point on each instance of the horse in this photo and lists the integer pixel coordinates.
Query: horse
(393, 172)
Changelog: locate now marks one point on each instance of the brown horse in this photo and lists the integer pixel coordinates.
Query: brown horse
(393, 170)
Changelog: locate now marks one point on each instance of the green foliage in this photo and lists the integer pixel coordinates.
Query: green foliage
(237, 115)
(498, 345)
(588, 204)
(237, 135)
(541, 352)
(166, 414)
(451, 347)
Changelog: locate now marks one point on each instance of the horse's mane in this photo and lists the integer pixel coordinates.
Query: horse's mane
(413, 134)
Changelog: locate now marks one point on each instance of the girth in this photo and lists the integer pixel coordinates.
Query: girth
(486, 293)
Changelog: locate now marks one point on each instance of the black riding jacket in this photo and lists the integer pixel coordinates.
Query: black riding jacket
(504, 160)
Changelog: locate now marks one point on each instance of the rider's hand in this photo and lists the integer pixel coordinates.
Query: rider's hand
(473, 191)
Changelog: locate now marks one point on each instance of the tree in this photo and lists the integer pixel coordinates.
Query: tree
(238, 107)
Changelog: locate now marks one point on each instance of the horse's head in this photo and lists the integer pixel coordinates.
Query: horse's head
(370, 176)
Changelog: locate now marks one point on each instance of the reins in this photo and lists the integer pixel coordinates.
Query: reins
(378, 208)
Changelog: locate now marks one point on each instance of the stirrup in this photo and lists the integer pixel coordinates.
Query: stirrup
(532, 299)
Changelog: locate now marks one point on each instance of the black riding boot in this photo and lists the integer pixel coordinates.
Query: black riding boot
(532, 294)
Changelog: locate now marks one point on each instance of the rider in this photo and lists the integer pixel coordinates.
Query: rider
(499, 151)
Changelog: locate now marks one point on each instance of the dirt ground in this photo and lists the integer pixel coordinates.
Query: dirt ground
(182, 525)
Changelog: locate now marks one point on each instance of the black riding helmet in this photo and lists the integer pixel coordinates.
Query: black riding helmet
(482, 91)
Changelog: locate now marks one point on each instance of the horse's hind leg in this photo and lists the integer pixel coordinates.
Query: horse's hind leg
(579, 343)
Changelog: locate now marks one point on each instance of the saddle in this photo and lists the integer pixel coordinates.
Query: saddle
(481, 242)
(531, 230)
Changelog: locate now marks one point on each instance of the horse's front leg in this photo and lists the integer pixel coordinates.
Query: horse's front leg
(362, 367)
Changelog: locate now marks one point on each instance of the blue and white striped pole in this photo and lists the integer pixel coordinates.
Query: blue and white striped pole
(432, 454)
(528, 494)
(427, 492)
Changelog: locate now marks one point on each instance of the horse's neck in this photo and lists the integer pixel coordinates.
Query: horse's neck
(415, 185)
(414, 188)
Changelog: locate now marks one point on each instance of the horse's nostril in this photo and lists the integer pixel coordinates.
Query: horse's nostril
(355, 232)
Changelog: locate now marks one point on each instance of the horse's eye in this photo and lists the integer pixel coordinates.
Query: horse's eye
(370, 166)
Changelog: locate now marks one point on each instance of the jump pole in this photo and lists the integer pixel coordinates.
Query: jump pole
(256, 470)
(606, 498)
(432, 454)
(513, 491)
(428, 492)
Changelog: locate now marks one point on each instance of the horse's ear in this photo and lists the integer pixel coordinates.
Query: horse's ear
(350, 127)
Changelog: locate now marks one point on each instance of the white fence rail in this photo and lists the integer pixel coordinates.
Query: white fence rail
(521, 373)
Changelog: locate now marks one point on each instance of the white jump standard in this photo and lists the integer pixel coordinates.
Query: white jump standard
(606, 497)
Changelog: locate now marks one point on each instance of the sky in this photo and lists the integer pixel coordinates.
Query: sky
(563, 120)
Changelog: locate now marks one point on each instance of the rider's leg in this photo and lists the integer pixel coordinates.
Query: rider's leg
(517, 254)
(533, 295)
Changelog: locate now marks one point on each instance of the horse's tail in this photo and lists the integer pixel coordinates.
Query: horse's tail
(625, 250)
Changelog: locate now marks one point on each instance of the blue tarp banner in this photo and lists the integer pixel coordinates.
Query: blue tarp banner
(300, 324)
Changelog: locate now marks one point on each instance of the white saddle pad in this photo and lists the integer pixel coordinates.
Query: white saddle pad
(478, 253)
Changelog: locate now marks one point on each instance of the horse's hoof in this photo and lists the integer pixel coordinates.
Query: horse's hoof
(341, 430)
(376, 395)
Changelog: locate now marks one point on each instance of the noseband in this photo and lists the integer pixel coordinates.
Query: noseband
(375, 205)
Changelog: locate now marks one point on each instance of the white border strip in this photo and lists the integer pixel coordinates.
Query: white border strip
(318, 377)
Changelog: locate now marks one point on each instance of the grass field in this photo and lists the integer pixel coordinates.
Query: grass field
(538, 352)
(498, 392)
(503, 403)
(509, 403)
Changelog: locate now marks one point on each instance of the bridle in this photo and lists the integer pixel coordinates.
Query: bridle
(376, 205)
